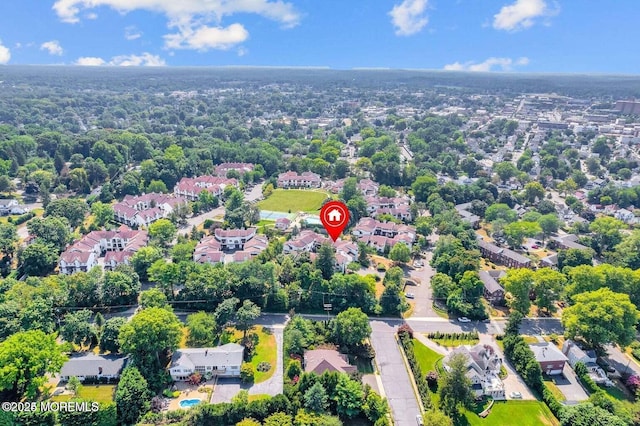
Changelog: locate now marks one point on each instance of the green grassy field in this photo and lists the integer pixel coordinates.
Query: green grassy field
(516, 413)
(294, 200)
(97, 393)
(427, 358)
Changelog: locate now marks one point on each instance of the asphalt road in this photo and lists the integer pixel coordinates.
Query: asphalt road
(394, 375)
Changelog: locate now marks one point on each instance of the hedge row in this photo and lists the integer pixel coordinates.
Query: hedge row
(521, 356)
(405, 337)
(22, 218)
(583, 374)
(453, 336)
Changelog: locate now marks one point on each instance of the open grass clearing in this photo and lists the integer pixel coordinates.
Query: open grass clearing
(294, 200)
(516, 413)
(97, 393)
(265, 351)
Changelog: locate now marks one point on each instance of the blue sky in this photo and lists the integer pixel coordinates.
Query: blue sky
(475, 35)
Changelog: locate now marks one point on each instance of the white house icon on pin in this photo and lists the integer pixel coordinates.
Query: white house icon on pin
(335, 215)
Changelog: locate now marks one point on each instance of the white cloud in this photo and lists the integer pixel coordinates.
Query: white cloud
(521, 14)
(53, 47)
(197, 21)
(5, 53)
(91, 16)
(409, 17)
(90, 61)
(491, 64)
(144, 59)
(205, 38)
(132, 33)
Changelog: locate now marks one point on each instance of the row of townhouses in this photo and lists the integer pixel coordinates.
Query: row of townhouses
(294, 180)
(117, 247)
(190, 188)
(309, 241)
(244, 243)
(383, 235)
(143, 210)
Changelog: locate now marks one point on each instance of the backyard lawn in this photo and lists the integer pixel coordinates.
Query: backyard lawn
(266, 351)
(427, 358)
(97, 393)
(294, 200)
(520, 413)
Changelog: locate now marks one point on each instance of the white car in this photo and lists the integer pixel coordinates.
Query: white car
(410, 295)
(464, 319)
(419, 420)
(515, 395)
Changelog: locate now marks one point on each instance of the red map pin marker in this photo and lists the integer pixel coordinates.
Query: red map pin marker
(334, 217)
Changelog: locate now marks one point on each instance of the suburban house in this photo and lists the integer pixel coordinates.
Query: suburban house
(11, 206)
(117, 247)
(221, 361)
(145, 209)
(93, 367)
(294, 180)
(241, 168)
(320, 360)
(467, 216)
(493, 291)
(503, 255)
(575, 354)
(550, 358)
(282, 223)
(398, 207)
(568, 242)
(190, 188)
(483, 369)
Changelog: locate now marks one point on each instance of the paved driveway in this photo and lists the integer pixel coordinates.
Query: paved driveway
(569, 385)
(395, 378)
(226, 389)
(423, 294)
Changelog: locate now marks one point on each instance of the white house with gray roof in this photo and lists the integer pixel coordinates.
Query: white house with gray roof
(94, 367)
(221, 361)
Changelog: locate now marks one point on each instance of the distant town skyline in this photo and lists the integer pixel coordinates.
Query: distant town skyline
(563, 36)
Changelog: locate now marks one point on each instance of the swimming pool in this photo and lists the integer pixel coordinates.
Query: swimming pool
(188, 403)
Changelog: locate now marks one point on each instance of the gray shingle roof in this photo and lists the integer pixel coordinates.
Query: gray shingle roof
(225, 355)
(88, 365)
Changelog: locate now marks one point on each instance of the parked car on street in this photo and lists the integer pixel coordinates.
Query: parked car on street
(410, 295)
(419, 420)
(464, 319)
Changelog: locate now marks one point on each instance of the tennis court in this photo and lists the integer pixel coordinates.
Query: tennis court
(271, 215)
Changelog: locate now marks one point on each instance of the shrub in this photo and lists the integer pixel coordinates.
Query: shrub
(247, 374)
(294, 369)
(432, 380)
(633, 383)
(264, 366)
(405, 329)
(381, 267)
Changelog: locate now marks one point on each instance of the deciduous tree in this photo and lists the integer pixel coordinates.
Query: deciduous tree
(601, 317)
(26, 357)
(350, 327)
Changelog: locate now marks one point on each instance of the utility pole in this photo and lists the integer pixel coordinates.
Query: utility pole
(327, 307)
